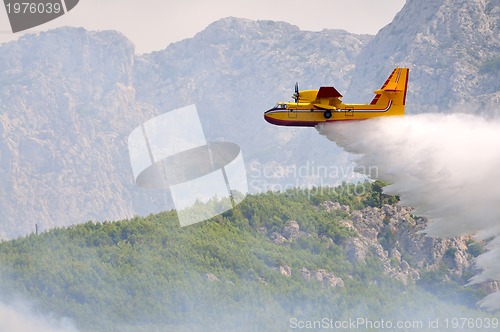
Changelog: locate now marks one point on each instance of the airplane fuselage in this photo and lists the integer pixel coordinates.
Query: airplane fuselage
(313, 107)
(308, 115)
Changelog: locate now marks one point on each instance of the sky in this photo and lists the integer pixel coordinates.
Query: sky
(153, 24)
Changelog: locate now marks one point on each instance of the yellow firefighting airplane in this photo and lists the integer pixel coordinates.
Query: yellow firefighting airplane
(312, 107)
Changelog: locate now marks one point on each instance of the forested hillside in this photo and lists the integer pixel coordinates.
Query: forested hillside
(275, 258)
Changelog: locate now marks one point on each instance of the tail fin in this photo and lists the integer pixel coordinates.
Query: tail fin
(393, 89)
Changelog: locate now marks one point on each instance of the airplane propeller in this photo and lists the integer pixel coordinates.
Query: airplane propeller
(296, 94)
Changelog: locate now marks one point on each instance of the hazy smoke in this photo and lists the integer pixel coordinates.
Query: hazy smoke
(20, 317)
(445, 166)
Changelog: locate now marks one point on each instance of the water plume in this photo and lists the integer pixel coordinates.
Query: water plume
(445, 166)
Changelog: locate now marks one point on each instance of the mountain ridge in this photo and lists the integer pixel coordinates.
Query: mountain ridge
(66, 118)
(447, 47)
(70, 97)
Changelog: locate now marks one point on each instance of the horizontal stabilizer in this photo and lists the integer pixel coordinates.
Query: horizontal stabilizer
(393, 89)
(387, 90)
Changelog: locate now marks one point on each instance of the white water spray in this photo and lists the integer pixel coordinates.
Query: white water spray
(445, 166)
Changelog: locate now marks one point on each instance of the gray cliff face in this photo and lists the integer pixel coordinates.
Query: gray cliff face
(236, 69)
(392, 236)
(69, 98)
(452, 49)
(67, 104)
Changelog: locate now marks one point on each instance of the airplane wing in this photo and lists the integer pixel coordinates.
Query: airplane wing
(328, 98)
(325, 107)
(328, 92)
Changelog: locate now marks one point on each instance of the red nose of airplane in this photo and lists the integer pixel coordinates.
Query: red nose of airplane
(268, 116)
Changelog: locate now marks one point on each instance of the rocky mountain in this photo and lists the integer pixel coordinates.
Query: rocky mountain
(67, 105)
(452, 49)
(69, 98)
(393, 237)
(236, 69)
